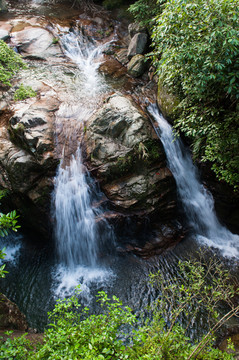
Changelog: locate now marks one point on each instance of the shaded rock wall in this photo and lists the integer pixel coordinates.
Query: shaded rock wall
(27, 158)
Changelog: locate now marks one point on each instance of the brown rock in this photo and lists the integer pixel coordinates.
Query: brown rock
(11, 317)
(112, 67)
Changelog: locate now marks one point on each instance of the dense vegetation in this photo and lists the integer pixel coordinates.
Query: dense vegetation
(117, 333)
(196, 54)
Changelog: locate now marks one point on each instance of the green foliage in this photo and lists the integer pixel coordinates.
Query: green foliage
(153, 149)
(196, 53)
(10, 63)
(16, 348)
(7, 222)
(74, 334)
(144, 11)
(24, 92)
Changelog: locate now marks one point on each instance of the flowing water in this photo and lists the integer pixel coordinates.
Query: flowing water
(197, 201)
(84, 240)
(79, 238)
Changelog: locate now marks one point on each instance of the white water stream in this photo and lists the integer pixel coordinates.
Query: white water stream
(78, 237)
(197, 201)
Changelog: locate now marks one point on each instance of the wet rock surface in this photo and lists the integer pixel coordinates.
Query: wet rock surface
(121, 148)
(124, 153)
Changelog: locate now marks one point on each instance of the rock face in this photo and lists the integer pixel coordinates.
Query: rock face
(27, 159)
(11, 317)
(129, 160)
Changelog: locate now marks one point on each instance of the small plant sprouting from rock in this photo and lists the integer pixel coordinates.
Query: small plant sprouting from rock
(55, 41)
(10, 63)
(24, 92)
(143, 151)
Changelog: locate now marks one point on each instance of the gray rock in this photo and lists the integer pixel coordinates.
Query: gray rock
(27, 158)
(35, 42)
(4, 35)
(137, 66)
(129, 160)
(138, 45)
(135, 28)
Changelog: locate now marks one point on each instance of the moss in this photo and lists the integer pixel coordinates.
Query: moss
(24, 92)
(141, 157)
(122, 166)
(167, 101)
(153, 149)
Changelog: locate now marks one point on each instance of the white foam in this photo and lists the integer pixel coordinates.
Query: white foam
(67, 279)
(197, 201)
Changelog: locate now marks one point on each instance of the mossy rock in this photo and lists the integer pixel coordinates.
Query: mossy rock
(167, 101)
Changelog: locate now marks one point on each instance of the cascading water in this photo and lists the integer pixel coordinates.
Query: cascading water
(77, 234)
(197, 201)
(75, 220)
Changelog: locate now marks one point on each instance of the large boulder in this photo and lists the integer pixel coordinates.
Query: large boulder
(138, 45)
(36, 43)
(135, 28)
(137, 66)
(27, 159)
(128, 158)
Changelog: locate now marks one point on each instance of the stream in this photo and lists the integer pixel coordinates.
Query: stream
(83, 251)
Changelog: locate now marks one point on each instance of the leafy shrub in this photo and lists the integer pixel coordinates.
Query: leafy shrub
(15, 348)
(10, 63)
(196, 52)
(74, 334)
(7, 222)
(144, 11)
(24, 92)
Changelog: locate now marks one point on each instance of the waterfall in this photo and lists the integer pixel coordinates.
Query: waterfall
(196, 200)
(75, 220)
(78, 235)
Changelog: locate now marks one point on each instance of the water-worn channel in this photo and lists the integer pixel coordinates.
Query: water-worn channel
(39, 274)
